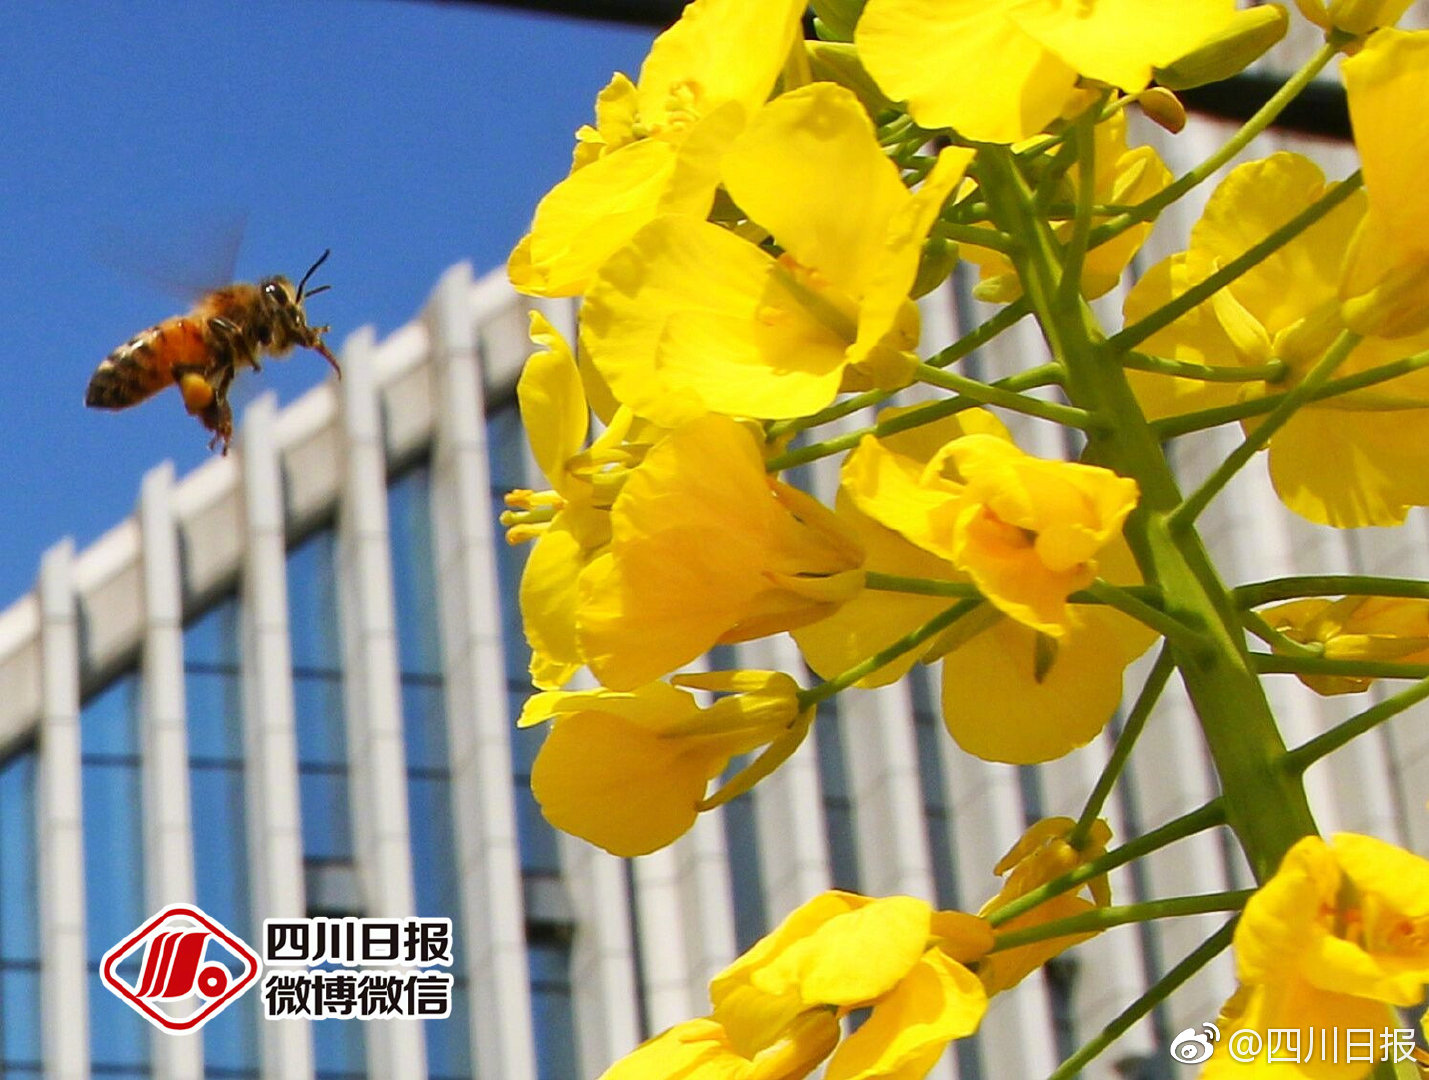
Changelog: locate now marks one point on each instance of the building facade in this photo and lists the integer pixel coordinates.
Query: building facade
(285, 686)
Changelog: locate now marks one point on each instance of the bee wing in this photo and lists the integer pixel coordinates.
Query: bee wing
(184, 260)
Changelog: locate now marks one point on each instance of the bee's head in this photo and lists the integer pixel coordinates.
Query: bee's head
(284, 304)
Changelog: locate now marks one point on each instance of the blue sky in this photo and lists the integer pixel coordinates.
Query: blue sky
(404, 136)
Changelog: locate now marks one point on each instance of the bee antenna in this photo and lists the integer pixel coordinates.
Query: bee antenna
(313, 292)
(321, 259)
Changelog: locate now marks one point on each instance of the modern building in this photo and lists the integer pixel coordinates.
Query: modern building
(285, 686)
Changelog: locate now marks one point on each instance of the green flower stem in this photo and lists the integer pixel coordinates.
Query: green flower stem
(1167, 625)
(1262, 119)
(932, 628)
(1203, 290)
(1265, 806)
(1300, 585)
(987, 394)
(1253, 443)
(1281, 643)
(1173, 426)
(961, 590)
(1206, 817)
(968, 343)
(919, 586)
(1272, 664)
(1198, 958)
(1104, 918)
(1045, 375)
(976, 235)
(1082, 137)
(980, 336)
(1307, 753)
(1183, 369)
(1135, 722)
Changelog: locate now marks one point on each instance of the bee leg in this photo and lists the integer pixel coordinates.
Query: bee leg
(232, 336)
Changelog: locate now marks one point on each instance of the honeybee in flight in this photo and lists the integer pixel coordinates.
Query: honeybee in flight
(227, 330)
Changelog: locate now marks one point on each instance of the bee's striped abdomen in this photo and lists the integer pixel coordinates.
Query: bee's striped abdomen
(146, 363)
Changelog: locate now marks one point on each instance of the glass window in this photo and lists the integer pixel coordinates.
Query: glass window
(113, 867)
(424, 725)
(213, 688)
(317, 700)
(339, 1046)
(19, 929)
(839, 822)
(547, 940)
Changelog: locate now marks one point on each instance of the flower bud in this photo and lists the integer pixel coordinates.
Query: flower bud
(1221, 56)
(1163, 108)
(835, 19)
(1356, 17)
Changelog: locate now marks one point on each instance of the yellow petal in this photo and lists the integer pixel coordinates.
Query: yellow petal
(1350, 469)
(855, 957)
(1120, 41)
(620, 785)
(938, 1001)
(703, 540)
(718, 51)
(548, 607)
(689, 318)
(996, 707)
(964, 64)
(552, 400)
(778, 172)
(589, 215)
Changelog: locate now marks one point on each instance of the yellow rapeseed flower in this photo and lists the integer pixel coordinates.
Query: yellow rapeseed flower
(1385, 288)
(1354, 459)
(895, 956)
(570, 523)
(1355, 628)
(656, 144)
(1010, 693)
(1040, 855)
(691, 317)
(1334, 942)
(628, 771)
(707, 548)
(1026, 530)
(1353, 16)
(1002, 70)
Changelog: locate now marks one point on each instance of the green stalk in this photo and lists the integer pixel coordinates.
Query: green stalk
(976, 235)
(1167, 625)
(1075, 256)
(932, 628)
(1198, 958)
(1307, 753)
(915, 417)
(1187, 423)
(1103, 918)
(1280, 642)
(1265, 806)
(1272, 664)
(1272, 372)
(1146, 595)
(1293, 588)
(1130, 732)
(987, 394)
